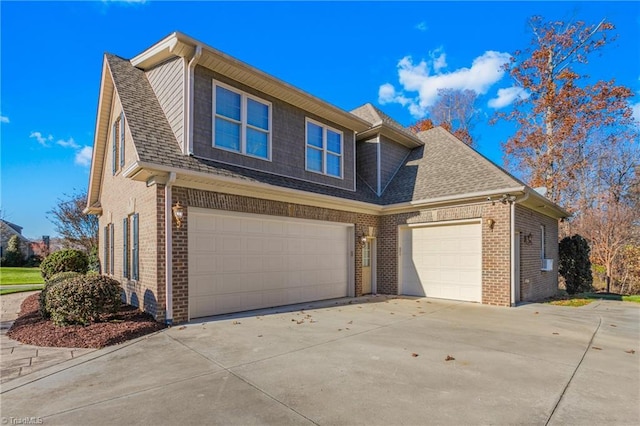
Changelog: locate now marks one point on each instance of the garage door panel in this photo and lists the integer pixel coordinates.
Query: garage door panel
(253, 261)
(442, 261)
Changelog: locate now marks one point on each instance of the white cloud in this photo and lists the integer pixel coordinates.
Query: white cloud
(484, 72)
(4, 119)
(422, 26)
(70, 143)
(42, 140)
(83, 156)
(507, 97)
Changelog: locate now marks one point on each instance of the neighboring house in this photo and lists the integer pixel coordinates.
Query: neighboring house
(284, 198)
(8, 230)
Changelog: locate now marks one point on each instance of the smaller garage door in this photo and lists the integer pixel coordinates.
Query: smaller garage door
(239, 262)
(443, 261)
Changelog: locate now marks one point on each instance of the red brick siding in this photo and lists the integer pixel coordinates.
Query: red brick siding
(536, 284)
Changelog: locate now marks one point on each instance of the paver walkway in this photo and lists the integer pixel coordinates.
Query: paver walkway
(17, 359)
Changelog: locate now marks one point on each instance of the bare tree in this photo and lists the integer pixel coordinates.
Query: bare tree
(76, 228)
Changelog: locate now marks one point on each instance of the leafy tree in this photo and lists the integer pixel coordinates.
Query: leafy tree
(575, 266)
(454, 110)
(13, 255)
(566, 123)
(77, 229)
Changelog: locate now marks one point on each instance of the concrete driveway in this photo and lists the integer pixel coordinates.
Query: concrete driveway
(375, 360)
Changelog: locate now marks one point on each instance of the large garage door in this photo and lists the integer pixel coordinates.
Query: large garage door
(442, 261)
(239, 262)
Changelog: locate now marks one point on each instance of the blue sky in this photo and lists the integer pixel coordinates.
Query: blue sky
(393, 54)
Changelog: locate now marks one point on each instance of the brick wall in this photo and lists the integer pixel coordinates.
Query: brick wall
(119, 203)
(496, 255)
(218, 201)
(536, 284)
(496, 278)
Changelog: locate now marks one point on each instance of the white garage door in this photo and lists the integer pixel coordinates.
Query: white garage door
(239, 262)
(442, 261)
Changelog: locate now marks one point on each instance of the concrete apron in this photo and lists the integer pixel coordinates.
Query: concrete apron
(376, 360)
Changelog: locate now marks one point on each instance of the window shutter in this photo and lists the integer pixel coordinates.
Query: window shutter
(114, 148)
(121, 139)
(105, 258)
(125, 247)
(134, 252)
(111, 246)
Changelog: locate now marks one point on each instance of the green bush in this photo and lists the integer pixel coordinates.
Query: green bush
(575, 266)
(13, 254)
(59, 277)
(82, 299)
(33, 261)
(64, 261)
(94, 260)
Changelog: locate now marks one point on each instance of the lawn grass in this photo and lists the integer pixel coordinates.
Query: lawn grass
(11, 276)
(20, 289)
(582, 299)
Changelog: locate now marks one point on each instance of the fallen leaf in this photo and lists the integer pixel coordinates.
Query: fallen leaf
(630, 351)
(293, 319)
(415, 355)
(182, 328)
(555, 333)
(347, 328)
(350, 322)
(313, 321)
(300, 322)
(259, 335)
(449, 358)
(237, 323)
(421, 312)
(535, 313)
(612, 325)
(339, 329)
(596, 348)
(391, 313)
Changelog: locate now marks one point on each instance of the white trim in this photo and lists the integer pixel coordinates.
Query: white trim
(379, 166)
(243, 122)
(324, 150)
(443, 223)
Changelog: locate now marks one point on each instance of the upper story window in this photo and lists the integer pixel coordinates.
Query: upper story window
(324, 149)
(242, 122)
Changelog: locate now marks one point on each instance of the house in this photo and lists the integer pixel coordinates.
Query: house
(220, 188)
(8, 230)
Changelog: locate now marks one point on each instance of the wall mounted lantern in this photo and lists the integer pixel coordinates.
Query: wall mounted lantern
(491, 223)
(178, 213)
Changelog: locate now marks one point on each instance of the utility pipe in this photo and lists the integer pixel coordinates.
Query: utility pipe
(168, 240)
(188, 101)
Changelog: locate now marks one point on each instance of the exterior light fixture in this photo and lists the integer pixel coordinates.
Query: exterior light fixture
(491, 223)
(178, 213)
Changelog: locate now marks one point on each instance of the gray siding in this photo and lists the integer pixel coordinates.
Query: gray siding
(392, 156)
(367, 162)
(288, 136)
(167, 83)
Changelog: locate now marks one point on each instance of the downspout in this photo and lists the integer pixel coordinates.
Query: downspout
(188, 112)
(168, 239)
(513, 247)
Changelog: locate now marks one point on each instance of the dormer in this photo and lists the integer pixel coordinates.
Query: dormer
(382, 149)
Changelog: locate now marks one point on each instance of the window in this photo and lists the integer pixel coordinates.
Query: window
(366, 254)
(324, 149)
(108, 249)
(118, 144)
(242, 123)
(130, 255)
(543, 251)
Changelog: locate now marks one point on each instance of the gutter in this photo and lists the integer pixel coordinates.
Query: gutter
(168, 240)
(188, 96)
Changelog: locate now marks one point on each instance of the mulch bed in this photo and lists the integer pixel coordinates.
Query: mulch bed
(126, 324)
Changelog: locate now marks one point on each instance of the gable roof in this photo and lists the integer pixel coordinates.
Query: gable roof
(381, 123)
(439, 167)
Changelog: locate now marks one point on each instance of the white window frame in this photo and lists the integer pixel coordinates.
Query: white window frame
(244, 96)
(543, 249)
(324, 148)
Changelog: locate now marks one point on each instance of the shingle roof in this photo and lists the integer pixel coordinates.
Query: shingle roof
(156, 143)
(444, 166)
(376, 117)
